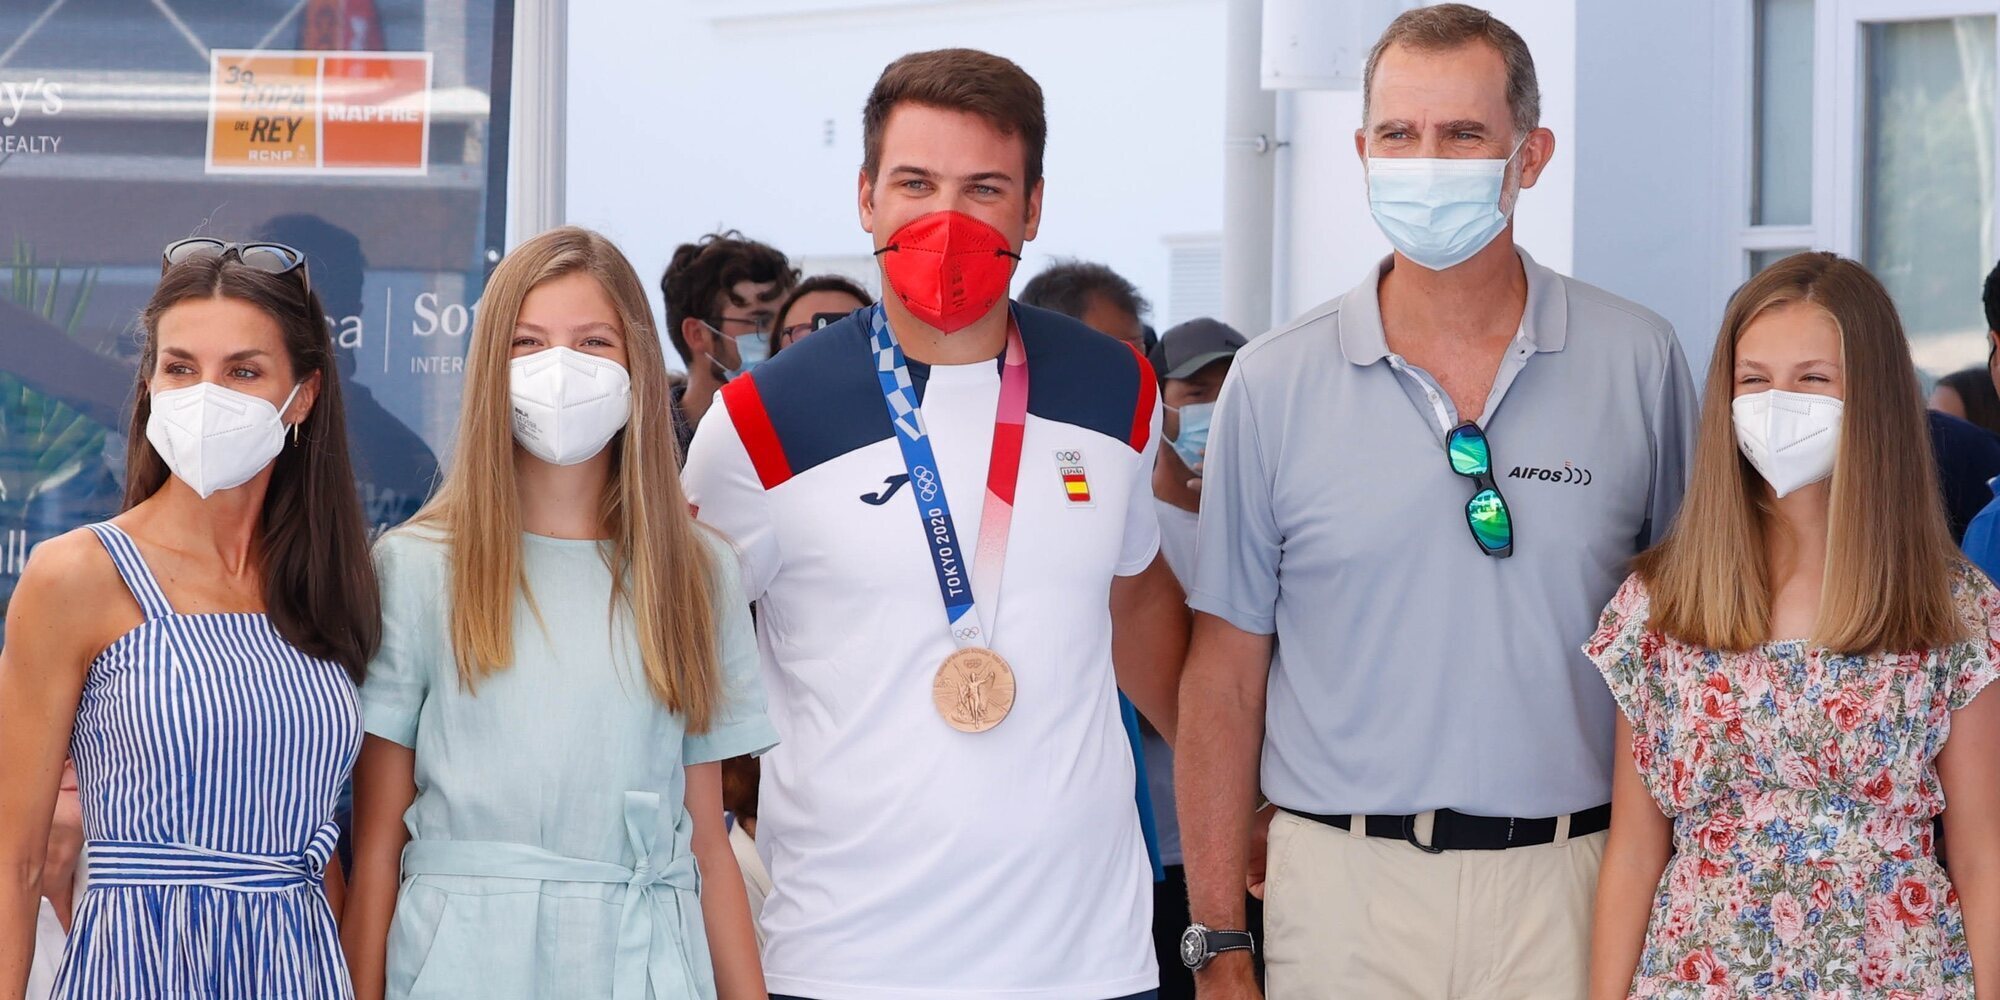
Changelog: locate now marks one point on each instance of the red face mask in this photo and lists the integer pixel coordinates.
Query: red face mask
(948, 268)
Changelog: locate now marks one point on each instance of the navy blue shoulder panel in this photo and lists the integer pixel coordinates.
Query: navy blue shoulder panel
(822, 396)
(1079, 376)
(823, 400)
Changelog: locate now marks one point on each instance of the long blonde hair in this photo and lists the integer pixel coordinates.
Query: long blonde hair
(661, 569)
(1890, 559)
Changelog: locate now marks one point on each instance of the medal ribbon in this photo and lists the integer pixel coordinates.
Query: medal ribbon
(954, 575)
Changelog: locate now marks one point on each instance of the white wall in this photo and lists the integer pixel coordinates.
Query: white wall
(1653, 133)
(1333, 240)
(692, 115)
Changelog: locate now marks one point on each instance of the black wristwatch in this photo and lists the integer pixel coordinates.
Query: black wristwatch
(1199, 945)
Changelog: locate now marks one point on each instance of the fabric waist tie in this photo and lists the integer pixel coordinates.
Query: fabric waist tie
(114, 863)
(637, 963)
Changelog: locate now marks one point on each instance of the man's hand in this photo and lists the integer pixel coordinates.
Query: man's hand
(1231, 976)
(1174, 482)
(1260, 846)
(65, 848)
(1215, 788)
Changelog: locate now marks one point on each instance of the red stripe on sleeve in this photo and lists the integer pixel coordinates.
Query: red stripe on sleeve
(1142, 412)
(753, 425)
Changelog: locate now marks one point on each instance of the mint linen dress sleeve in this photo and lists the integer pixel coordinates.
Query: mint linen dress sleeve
(411, 571)
(740, 725)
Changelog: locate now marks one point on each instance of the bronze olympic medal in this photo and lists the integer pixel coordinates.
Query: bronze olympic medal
(974, 690)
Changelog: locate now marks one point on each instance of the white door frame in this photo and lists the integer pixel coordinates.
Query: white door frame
(1848, 122)
(1838, 109)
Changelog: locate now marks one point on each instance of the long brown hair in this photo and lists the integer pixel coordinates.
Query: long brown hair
(661, 567)
(319, 584)
(1890, 558)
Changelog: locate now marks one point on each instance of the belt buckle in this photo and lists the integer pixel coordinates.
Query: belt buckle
(1410, 832)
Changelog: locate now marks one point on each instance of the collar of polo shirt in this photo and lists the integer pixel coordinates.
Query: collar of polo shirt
(1545, 322)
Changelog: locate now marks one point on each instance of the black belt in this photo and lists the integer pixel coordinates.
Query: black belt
(1457, 831)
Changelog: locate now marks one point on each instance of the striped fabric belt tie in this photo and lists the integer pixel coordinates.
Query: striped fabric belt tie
(637, 963)
(112, 863)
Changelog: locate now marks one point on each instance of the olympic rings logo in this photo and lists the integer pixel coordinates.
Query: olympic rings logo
(1069, 456)
(966, 633)
(926, 482)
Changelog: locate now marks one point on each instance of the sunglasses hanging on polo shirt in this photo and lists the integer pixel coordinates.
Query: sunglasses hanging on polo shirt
(1486, 513)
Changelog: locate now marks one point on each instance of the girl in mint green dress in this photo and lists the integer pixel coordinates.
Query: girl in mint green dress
(566, 657)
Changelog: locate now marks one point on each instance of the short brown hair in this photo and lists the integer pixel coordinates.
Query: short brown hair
(959, 80)
(1450, 25)
(1890, 561)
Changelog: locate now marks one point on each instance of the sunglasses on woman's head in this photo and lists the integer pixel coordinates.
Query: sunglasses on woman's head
(271, 258)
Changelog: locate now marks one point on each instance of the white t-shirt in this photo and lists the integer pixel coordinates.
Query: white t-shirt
(50, 943)
(756, 881)
(910, 860)
(1177, 537)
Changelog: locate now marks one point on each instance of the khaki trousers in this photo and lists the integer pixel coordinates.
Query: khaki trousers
(1348, 917)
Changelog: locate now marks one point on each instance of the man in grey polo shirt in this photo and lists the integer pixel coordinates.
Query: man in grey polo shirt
(1397, 623)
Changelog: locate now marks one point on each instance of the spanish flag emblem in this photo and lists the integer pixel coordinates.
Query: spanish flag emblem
(1076, 482)
(1076, 485)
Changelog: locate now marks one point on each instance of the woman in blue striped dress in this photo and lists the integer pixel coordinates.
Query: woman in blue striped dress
(195, 656)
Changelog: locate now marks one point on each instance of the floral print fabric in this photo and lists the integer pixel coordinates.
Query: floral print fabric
(1801, 785)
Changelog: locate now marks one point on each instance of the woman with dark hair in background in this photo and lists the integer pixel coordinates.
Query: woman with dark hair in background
(821, 293)
(1964, 424)
(197, 653)
(1969, 396)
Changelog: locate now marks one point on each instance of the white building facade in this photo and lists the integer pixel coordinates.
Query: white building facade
(1695, 141)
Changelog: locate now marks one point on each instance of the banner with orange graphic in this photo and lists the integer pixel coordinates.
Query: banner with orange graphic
(319, 112)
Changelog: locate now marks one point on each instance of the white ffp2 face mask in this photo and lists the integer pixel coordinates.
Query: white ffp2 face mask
(213, 438)
(1437, 212)
(1791, 437)
(567, 404)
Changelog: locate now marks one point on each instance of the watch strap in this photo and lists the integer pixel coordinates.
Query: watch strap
(1221, 941)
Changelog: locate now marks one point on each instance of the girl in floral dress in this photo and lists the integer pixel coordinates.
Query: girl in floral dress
(1798, 665)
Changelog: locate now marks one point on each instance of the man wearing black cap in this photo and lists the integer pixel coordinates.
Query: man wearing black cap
(1190, 360)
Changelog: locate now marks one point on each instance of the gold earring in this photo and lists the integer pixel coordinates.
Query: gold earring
(295, 432)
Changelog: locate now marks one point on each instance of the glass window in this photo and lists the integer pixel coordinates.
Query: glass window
(1927, 179)
(1781, 143)
(370, 141)
(1761, 259)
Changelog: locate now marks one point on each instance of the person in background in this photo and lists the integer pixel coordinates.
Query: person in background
(1981, 539)
(1969, 395)
(721, 293)
(1093, 293)
(61, 879)
(1968, 459)
(739, 798)
(1798, 665)
(1190, 362)
(950, 814)
(196, 656)
(565, 660)
(1415, 502)
(827, 295)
